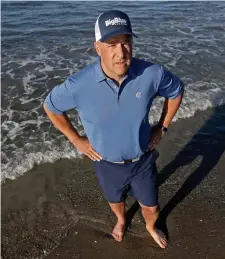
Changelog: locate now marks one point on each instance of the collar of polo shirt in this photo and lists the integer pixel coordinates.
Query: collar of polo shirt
(100, 75)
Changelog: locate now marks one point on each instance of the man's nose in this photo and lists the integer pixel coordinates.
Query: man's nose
(121, 50)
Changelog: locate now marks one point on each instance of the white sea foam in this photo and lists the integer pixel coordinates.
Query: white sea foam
(25, 100)
(192, 102)
(26, 62)
(24, 161)
(46, 68)
(26, 83)
(13, 128)
(10, 73)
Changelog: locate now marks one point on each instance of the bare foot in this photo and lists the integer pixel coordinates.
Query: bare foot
(159, 237)
(118, 231)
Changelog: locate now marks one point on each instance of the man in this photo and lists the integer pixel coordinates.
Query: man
(113, 97)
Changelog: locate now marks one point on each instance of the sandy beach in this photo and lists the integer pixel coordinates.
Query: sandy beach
(58, 211)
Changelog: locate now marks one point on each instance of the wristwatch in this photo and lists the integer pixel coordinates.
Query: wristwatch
(162, 127)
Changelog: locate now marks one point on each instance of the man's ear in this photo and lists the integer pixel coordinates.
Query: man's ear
(97, 48)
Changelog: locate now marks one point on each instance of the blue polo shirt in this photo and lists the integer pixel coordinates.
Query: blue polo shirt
(114, 118)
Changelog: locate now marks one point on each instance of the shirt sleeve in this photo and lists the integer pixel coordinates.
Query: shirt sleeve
(62, 97)
(170, 86)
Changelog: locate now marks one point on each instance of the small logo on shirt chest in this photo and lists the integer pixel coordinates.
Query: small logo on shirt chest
(138, 95)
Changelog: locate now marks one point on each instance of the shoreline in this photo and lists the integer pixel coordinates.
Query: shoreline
(58, 211)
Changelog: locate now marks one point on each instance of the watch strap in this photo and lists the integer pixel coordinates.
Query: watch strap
(162, 127)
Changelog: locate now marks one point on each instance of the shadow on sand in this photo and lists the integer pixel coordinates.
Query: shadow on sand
(209, 143)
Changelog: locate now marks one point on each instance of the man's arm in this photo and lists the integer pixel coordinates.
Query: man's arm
(61, 99)
(171, 88)
(62, 123)
(169, 110)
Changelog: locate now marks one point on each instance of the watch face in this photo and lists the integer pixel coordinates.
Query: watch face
(164, 128)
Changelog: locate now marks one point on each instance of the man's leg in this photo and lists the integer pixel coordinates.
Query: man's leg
(150, 215)
(145, 190)
(119, 210)
(113, 181)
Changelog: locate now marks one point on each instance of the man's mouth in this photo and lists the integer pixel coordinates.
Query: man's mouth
(121, 63)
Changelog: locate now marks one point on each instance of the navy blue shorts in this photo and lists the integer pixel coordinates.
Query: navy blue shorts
(137, 178)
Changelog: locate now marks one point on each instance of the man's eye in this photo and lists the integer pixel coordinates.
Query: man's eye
(127, 42)
(111, 45)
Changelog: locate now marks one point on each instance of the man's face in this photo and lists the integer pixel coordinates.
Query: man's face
(116, 54)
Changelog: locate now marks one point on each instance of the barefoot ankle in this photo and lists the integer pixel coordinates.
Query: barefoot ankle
(150, 228)
(121, 221)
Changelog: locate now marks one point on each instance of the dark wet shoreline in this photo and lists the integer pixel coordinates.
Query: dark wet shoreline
(58, 211)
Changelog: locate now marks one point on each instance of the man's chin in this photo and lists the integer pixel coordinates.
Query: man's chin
(122, 72)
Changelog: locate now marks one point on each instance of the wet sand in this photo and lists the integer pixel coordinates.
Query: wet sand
(58, 211)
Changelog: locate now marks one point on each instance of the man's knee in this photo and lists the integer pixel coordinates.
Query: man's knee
(150, 210)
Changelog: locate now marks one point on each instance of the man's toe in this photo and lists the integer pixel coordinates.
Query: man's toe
(117, 237)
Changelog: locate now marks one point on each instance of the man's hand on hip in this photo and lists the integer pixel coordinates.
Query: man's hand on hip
(83, 145)
(156, 135)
